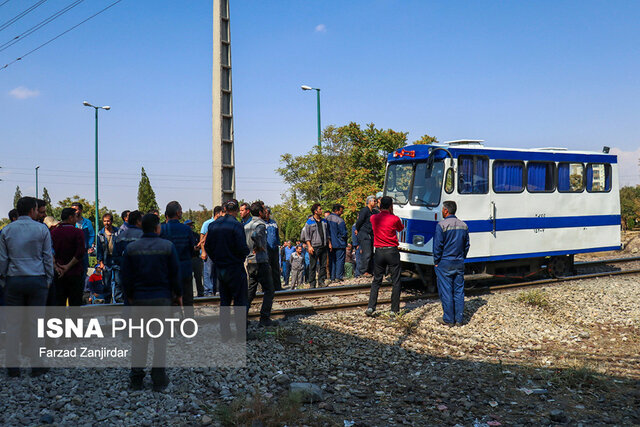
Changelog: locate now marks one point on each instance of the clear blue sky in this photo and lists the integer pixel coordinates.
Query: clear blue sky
(516, 74)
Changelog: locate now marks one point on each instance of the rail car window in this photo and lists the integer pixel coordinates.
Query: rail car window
(570, 177)
(473, 174)
(508, 176)
(427, 183)
(398, 182)
(598, 177)
(541, 177)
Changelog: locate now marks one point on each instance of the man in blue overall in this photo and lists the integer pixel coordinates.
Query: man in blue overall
(450, 248)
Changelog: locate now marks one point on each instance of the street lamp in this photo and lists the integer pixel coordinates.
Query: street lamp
(305, 87)
(106, 107)
(37, 167)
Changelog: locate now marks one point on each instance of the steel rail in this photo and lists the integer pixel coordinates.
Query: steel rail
(295, 311)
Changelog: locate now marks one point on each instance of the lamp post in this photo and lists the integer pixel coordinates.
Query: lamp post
(37, 167)
(305, 87)
(106, 107)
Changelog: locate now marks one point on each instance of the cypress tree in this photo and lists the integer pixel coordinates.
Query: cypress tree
(146, 195)
(47, 200)
(17, 196)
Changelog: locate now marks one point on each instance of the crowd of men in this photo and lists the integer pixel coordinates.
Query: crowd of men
(44, 261)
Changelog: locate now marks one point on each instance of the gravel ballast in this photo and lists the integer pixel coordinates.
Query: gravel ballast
(574, 359)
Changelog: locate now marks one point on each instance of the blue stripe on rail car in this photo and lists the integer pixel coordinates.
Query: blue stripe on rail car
(427, 228)
(542, 254)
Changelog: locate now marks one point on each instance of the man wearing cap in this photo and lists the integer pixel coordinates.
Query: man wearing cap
(69, 247)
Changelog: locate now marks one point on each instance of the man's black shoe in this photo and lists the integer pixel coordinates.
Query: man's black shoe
(13, 372)
(36, 372)
(136, 383)
(161, 383)
(267, 322)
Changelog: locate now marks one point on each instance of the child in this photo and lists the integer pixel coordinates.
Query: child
(97, 291)
(297, 267)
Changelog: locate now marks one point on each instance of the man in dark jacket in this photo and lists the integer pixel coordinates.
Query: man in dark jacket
(227, 248)
(132, 233)
(316, 236)
(182, 237)
(68, 246)
(273, 248)
(150, 277)
(365, 236)
(338, 236)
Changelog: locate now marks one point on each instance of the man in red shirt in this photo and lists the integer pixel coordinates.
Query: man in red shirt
(69, 248)
(385, 241)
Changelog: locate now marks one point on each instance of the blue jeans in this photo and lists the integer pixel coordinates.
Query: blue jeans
(450, 278)
(336, 263)
(116, 285)
(286, 266)
(356, 262)
(210, 277)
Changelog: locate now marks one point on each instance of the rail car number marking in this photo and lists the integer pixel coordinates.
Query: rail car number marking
(538, 230)
(540, 215)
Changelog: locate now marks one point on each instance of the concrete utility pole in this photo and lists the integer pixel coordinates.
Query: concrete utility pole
(224, 179)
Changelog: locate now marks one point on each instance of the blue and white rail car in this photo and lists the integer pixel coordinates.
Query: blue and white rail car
(525, 208)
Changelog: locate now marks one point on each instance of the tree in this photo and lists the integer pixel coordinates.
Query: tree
(630, 205)
(347, 168)
(146, 195)
(17, 196)
(426, 139)
(88, 210)
(47, 200)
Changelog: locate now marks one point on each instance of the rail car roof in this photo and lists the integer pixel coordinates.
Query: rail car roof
(416, 152)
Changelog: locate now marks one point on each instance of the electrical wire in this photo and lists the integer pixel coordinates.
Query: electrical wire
(59, 35)
(21, 14)
(36, 27)
(4, 2)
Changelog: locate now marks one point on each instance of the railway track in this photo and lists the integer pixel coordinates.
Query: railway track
(354, 289)
(292, 295)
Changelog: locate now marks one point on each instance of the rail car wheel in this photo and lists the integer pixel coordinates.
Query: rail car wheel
(560, 266)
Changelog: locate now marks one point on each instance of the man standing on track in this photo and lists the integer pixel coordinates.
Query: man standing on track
(365, 236)
(68, 244)
(385, 227)
(273, 248)
(227, 248)
(26, 266)
(258, 268)
(450, 249)
(316, 235)
(182, 237)
(338, 236)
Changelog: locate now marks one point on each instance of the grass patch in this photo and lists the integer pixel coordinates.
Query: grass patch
(535, 297)
(258, 411)
(577, 376)
(401, 320)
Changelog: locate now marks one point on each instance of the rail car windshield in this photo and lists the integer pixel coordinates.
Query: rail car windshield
(420, 183)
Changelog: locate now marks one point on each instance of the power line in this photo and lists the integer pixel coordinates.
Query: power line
(21, 14)
(59, 35)
(41, 24)
(4, 2)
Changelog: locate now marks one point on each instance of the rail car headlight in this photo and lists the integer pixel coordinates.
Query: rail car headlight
(418, 240)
